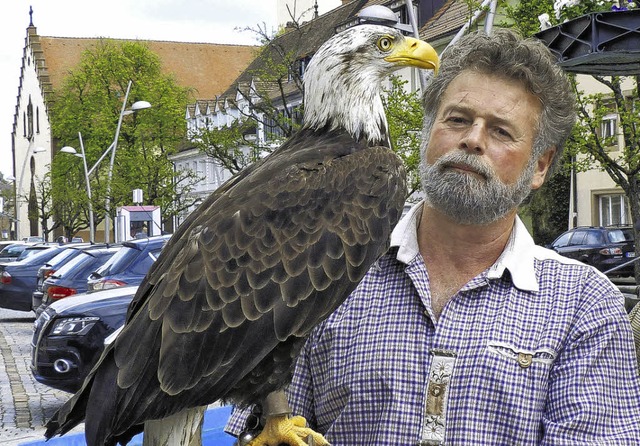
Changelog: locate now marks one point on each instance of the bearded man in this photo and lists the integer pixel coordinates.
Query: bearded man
(466, 332)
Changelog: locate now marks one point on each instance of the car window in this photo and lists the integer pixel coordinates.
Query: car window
(29, 252)
(119, 262)
(578, 238)
(38, 256)
(562, 241)
(69, 269)
(628, 234)
(617, 236)
(142, 266)
(594, 238)
(62, 256)
(81, 262)
(12, 250)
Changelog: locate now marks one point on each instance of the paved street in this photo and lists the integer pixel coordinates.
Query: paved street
(25, 404)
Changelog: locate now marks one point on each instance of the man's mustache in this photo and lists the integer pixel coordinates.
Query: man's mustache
(464, 161)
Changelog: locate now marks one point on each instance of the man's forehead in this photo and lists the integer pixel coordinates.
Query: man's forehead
(471, 89)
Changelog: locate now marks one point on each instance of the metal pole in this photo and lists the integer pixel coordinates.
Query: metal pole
(422, 75)
(92, 230)
(488, 23)
(106, 152)
(107, 204)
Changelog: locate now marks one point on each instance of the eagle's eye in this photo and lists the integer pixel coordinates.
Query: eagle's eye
(385, 43)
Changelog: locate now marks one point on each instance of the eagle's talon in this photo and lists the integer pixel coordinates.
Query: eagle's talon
(285, 430)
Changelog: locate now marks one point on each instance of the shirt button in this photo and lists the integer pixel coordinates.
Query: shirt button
(524, 359)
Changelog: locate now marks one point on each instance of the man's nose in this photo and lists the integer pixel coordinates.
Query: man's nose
(475, 138)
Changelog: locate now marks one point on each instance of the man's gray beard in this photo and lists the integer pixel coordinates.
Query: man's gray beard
(467, 198)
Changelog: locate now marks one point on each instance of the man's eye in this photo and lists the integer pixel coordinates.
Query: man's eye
(503, 133)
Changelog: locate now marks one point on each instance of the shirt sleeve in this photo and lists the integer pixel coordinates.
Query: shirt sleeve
(237, 421)
(594, 391)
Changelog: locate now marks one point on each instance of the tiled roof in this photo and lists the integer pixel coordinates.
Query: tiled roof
(452, 16)
(208, 68)
(305, 40)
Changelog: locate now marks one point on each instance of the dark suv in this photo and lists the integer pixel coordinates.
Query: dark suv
(129, 265)
(602, 247)
(69, 335)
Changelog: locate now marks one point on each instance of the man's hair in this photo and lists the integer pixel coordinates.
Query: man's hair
(505, 54)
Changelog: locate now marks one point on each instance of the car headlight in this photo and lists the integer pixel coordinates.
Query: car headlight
(73, 326)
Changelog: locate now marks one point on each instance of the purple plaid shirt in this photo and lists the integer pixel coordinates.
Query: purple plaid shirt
(535, 350)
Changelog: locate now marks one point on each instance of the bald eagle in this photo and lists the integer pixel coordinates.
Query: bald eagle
(224, 311)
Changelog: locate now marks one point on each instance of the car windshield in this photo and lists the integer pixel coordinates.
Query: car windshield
(78, 264)
(618, 235)
(37, 256)
(12, 250)
(119, 262)
(628, 234)
(62, 256)
(30, 252)
(74, 265)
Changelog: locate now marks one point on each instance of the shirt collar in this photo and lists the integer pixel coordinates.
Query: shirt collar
(517, 257)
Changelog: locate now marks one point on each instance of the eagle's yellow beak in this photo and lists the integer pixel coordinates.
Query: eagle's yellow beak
(415, 53)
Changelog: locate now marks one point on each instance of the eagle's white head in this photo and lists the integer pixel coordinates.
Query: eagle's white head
(343, 81)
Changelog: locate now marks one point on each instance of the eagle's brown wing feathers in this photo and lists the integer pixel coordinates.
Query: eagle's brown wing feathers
(265, 259)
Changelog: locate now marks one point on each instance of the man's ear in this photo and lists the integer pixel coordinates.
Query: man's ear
(542, 168)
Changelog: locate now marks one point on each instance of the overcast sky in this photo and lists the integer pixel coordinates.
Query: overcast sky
(212, 21)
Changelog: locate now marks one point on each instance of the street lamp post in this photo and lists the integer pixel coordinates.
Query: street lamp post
(67, 149)
(139, 105)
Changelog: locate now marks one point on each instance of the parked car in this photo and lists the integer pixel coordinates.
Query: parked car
(63, 257)
(11, 252)
(602, 247)
(129, 265)
(18, 279)
(72, 278)
(69, 336)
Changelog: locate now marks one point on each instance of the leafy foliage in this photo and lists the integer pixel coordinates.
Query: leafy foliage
(90, 103)
(405, 112)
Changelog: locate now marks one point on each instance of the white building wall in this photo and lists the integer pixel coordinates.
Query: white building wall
(26, 148)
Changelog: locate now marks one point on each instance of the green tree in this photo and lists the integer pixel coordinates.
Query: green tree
(590, 147)
(90, 102)
(405, 113)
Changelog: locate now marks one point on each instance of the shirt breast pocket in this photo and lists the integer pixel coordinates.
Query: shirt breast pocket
(515, 372)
